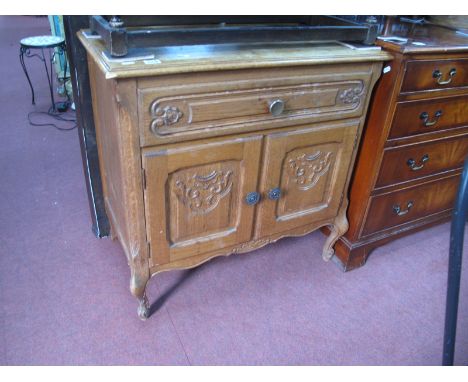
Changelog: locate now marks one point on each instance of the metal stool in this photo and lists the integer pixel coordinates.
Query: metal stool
(51, 43)
(457, 232)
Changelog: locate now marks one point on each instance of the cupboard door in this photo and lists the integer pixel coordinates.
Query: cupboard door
(304, 174)
(195, 196)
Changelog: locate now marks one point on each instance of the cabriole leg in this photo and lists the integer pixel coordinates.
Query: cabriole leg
(337, 229)
(143, 307)
(138, 289)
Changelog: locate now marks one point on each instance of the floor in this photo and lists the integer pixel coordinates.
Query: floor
(64, 297)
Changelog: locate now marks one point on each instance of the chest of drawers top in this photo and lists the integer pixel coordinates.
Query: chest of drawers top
(423, 39)
(435, 60)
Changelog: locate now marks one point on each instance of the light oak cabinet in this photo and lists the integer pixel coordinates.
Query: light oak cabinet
(229, 156)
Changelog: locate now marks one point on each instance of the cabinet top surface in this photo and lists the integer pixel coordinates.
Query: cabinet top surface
(184, 59)
(423, 39)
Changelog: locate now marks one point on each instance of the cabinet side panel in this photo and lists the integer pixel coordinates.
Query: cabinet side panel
(132, 180)
(109, 149)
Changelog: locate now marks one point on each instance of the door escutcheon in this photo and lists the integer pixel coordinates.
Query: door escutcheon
(252, 198)
(274, 193)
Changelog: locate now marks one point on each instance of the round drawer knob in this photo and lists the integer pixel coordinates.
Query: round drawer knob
(276, 107)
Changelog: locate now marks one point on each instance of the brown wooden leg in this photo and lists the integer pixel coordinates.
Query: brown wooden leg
(350, 258)
(138, 288)
(337, 229)
(143, 307)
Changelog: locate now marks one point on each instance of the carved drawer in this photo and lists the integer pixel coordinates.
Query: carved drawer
(425, 75)
(425, 116)
(237, 102)
(427, 158)
(409, 204)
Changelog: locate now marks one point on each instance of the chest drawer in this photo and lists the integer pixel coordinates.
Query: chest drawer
(240, 102)
(425, 116)
(396, 208)
(434, 75)
(415, 161)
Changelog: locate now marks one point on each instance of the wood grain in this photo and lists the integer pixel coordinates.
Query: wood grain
(181, 218)
(239, 101)
(408, 119)
(419, 74)
(426, 199)
(309, 166)
(420, 160)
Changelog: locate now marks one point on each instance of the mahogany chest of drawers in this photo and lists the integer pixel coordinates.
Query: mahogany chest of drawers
(208, 151)
(414, 143)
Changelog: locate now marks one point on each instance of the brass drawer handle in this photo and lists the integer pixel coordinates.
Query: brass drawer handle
(438, 75)
(274, 193)
(276, 107)
(424, 116)
(397, 209)
(412, 163)
(252, 198)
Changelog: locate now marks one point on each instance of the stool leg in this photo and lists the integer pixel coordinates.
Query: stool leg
(49, 77)
(23, 65)
(65, 67)
(457, 232)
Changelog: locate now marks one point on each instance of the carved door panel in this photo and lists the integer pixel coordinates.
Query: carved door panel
(304, 174)
(195, 196)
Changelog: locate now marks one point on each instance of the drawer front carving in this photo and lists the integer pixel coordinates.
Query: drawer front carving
(434, 75)
(396, 208)
(304, 176)
(415, 161)
(171, 115)
(419, 117)
(174, 113)
(195, 196)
